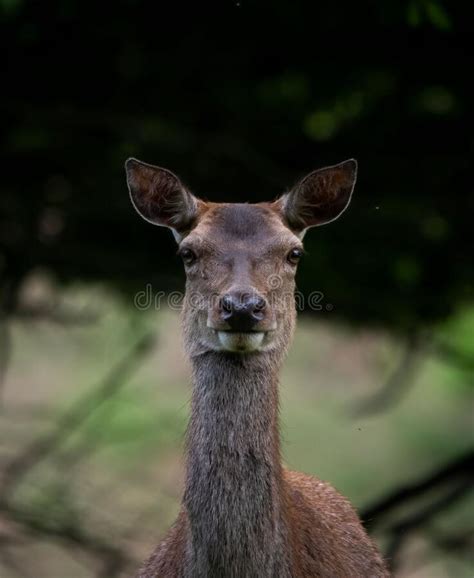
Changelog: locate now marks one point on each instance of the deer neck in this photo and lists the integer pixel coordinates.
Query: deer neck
(234, 489)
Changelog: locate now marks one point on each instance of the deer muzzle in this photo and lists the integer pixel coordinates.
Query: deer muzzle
(241, 320)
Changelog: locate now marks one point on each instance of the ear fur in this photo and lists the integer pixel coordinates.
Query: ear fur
(320, 197)
(160, 198)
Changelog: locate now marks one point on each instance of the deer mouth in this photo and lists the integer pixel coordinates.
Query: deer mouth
(241, 341)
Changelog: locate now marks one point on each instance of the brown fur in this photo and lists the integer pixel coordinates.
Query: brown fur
(243, 515)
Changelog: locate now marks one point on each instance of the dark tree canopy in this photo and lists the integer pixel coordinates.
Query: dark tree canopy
(241, 99)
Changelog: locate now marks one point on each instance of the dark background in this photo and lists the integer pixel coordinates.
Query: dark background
(241, 99)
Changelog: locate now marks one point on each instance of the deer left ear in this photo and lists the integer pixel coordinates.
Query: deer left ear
(319, 198)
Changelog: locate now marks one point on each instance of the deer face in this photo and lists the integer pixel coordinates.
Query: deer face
(240, 259)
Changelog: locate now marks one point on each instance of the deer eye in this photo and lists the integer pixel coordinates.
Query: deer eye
(187, 256)
(294, 256)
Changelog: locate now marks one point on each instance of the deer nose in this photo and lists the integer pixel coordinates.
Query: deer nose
(242, 311)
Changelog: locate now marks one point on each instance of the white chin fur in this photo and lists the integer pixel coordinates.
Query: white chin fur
(240, 342)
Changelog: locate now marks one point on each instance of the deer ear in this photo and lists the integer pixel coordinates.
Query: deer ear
(160, 198)
(321, 197)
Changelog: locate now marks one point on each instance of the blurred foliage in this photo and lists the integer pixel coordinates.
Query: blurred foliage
(241, 99)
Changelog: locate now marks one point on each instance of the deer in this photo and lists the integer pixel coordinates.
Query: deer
(243, 514)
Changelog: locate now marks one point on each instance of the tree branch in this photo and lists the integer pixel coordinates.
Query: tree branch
(462, 468)
(398, 382)
(73, 418)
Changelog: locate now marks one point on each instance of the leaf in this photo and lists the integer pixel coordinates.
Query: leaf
(413, 14)
(437, 15)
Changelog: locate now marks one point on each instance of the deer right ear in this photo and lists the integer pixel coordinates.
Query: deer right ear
(160, 197)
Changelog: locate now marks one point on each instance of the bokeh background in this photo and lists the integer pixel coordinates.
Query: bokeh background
(240, 98)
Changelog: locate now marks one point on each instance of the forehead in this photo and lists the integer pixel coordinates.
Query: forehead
(234, 222)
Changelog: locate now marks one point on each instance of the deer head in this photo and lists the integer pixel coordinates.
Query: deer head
(240, 259)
